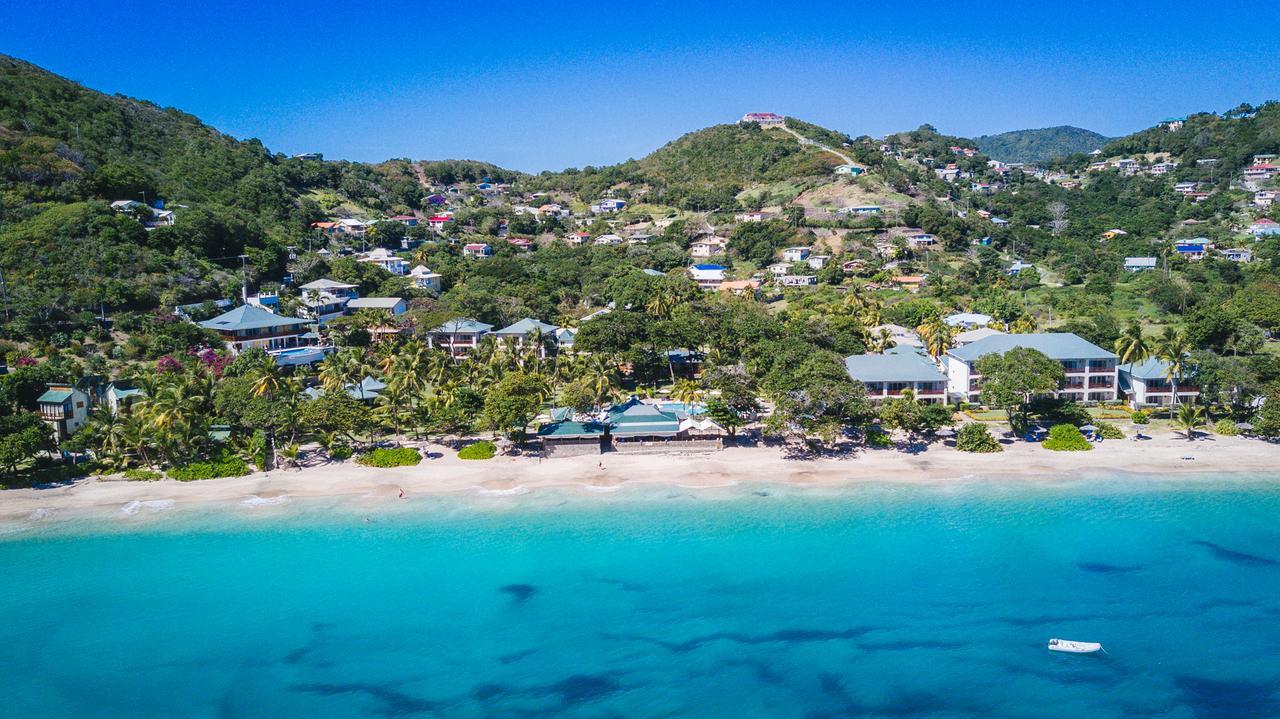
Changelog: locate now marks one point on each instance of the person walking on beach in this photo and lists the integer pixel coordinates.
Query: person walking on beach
(402, 493)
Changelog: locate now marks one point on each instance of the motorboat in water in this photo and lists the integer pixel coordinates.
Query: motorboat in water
(1065, 645)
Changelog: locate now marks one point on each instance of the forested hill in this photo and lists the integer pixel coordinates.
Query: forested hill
(1039, 146)
(66, 151)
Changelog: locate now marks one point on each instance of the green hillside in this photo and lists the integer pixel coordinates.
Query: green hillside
(1039, 146)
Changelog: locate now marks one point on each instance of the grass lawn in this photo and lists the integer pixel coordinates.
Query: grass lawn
(988, 415)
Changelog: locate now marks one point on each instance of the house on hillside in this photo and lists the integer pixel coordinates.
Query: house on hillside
(1090, 371)
(968, 320)
(391, 305)
(921, 240)
(1193, 249)
(764, 119)
(529, 331)
(65, 408)
(252, 326)
(1265, 227)
(897, 371)
(477, 250)
(608, 205)
(795, 254)
(1238, 254)
(386, 259)
(708, 277)
(437, 222)
(458, 337)
(797, 280)
(425, 279)
(708, 247)
(1139, 264)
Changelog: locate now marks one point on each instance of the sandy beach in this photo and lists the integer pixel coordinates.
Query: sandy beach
(1164, 457)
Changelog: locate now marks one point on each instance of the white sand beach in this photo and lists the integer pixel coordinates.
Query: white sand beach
(1162, 457)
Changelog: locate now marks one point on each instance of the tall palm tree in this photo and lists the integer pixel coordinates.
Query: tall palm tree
(342, 369)
(687, 392)
(937, 336)
(1189, 417)
(1173, 349)
(1132, 346)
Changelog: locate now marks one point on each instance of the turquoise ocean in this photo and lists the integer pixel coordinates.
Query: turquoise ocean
(751, 601)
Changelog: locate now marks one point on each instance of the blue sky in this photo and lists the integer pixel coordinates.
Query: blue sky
(538, 86)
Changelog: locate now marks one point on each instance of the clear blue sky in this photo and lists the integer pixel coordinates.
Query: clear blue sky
(549, 85)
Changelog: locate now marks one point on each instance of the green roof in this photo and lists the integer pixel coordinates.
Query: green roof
(55, 396)
(635, 418)
(250, 317)
(527, 326)
(571, 430)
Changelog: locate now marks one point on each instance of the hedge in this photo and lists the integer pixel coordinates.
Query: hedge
(212, 469)
(1066, 438)
(974, 437)
(142, 475)
(385, 457)
(479, 450)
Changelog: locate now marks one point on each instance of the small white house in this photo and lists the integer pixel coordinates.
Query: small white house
(425, 279)
(795, 254)
(392, 305)
(1139, 264)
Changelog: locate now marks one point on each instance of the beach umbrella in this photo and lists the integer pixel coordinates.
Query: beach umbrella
(1244, 425)
(944, 432)
(1088, 428)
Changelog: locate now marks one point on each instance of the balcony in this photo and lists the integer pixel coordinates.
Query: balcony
(1100, 383)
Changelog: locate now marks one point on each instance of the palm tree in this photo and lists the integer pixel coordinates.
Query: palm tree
(601, 376)
(687, 392)
(342, 369)
(1173, 349)
(879, 341)
(662, 302)
(937, 336)
(1189, 418)
(1131, 346)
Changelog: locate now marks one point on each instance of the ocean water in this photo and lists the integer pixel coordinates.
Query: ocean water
(879, 601)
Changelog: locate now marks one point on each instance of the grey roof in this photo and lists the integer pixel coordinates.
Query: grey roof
(974, 335)
(463, 325)
(250, 317)
(327, 284)
(899, 364)
(527, 326)
(375, 303)
(1056, 345)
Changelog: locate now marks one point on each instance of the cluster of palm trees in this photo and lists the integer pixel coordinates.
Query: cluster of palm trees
(1173, 349)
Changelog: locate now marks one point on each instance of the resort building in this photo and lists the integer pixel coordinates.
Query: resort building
(897, 371)
(326, 299)
(764, 119)
(632, 427)
(65, 408)
(530, 331)
(252, 326)
(1149, 383)
(387, 260)
(1090, 370)
(968, 337)
(458, 337)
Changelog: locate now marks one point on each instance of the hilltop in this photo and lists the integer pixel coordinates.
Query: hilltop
(1040, 146)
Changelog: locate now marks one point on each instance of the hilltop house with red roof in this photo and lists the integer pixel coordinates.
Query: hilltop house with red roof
(764, 119)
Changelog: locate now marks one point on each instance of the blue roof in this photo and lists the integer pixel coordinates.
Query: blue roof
(899, 364)
(1056, 345)
(250, 317)
(709, 267)
(1188, 248)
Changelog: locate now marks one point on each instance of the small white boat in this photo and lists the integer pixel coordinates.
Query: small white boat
(1064, 645)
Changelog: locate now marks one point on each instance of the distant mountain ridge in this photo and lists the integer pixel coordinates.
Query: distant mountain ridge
(1040, 145)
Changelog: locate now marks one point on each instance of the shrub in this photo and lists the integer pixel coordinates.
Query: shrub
(340, 452)
(974, 437)
(214, 468)
(398, 457)
(1140, 417)
(879, 439)
(1066, 438)
(479, 450)
(1226, 428)
(142, 475)
(1106, 430)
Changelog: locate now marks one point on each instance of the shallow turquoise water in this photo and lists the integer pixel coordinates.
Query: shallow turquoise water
(880, 601)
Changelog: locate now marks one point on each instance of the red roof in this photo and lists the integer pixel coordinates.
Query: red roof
(475, 246)
(440, 218)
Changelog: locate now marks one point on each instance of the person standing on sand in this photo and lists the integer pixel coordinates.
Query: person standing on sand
(401, 493)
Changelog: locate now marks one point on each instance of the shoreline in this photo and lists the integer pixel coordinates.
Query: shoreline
(510, 480)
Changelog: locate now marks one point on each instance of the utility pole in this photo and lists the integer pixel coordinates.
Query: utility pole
(244, 279)
(4, 289)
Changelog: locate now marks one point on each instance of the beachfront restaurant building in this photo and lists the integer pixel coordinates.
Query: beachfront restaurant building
(632, 427)
(1149, 383)
(1090, 371)
(897, 371)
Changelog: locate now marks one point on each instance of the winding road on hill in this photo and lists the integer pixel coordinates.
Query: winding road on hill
(806, 141)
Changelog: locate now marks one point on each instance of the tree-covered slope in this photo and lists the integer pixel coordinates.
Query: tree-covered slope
(1038, 146)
